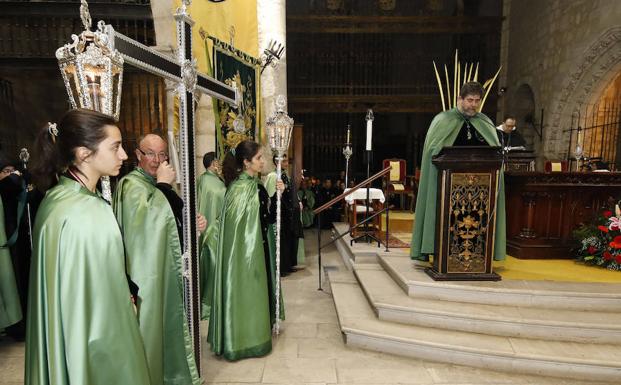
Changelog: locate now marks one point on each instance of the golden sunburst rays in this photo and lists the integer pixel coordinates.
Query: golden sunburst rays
(461, 75)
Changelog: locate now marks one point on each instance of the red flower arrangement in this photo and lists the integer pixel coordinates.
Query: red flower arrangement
(600, 242)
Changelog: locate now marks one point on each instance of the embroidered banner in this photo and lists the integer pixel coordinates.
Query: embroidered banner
(241, 71)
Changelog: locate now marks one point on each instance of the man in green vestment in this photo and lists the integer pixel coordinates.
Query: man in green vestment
(211, 190)
(461, 126)
(10, 308)
(148, 211)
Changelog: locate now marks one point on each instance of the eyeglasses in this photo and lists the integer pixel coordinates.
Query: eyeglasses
(152, 155)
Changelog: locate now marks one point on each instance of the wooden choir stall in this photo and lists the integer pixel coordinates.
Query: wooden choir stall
(543, 209)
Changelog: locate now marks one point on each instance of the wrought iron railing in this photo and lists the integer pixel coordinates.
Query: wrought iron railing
(327, 205)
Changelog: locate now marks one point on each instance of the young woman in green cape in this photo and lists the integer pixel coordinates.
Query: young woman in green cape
(242, 288)
(81, 327)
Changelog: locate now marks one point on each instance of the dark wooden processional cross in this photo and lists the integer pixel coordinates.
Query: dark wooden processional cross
(182, 71)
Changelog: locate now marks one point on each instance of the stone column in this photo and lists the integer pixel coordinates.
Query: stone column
(271, 16)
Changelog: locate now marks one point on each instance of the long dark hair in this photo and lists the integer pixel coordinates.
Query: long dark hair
(233, 165)
(55, 149)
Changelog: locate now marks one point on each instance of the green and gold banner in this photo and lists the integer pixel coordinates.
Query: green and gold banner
(242, 71)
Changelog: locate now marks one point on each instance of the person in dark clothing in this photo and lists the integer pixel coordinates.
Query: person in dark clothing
(291, 222)
(508, 135)
(325, 194)
(20, 201)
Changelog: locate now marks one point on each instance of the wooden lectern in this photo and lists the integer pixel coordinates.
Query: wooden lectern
(466, 213)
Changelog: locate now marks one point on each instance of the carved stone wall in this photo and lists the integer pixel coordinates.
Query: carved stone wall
(567, 52)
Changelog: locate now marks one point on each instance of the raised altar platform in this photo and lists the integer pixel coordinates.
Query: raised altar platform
(544, 208)
(385, 302)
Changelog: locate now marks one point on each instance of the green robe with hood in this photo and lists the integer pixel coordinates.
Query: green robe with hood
(154, 263)
(10, 309)
(81, 326)
(442, 133)
(307, 212)
(240, 321)
(210, 193)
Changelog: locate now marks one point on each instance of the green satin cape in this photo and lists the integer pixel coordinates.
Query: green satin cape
(442, 132)
(10, 309)
(81, 326)
(307, 213)
(239, 322)
(154, 263)
(211, 192)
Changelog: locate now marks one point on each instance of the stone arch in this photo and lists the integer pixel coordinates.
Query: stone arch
(599, 64)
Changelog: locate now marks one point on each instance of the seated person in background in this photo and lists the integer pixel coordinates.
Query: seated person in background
(315, 185)
(600, 166)
(307, 198)
(508, 135)
(325, 194)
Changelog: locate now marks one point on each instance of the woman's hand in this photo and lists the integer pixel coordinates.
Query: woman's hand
(280, 186)
(201, 223)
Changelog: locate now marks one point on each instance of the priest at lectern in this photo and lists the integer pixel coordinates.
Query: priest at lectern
(461, 126)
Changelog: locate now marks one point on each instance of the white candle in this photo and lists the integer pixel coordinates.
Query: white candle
(369, 134)
(347, 135)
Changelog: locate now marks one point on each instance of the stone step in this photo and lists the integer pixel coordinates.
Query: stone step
(390, 303)
(581, 296)
(581, 361)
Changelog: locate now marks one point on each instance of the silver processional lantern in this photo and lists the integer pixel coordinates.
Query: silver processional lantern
(279, 126)
(92, 71)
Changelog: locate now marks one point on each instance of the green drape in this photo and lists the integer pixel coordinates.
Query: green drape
(307, 212)
(239, 322)
(442, 133)
(81, 326)
(154, 263)
(211, 192)
(10, 309)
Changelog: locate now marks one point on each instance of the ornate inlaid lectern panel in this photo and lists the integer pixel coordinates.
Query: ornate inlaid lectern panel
(468, 221)
(468, 180)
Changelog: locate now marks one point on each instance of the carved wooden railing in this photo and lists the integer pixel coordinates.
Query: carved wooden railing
(325, 206)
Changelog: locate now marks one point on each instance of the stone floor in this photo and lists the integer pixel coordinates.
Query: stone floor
(310, 349)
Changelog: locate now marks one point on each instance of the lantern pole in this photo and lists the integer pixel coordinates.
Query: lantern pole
(279, 127)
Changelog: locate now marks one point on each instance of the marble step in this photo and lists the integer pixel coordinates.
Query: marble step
(579, 361)
(390, 303)
(581, 296)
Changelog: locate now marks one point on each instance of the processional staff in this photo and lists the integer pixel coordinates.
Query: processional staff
(347, 152)
(279, 126)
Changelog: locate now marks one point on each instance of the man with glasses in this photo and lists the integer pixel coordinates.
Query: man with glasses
(149, 213)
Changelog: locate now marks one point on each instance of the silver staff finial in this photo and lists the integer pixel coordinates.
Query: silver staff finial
(85, 15)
